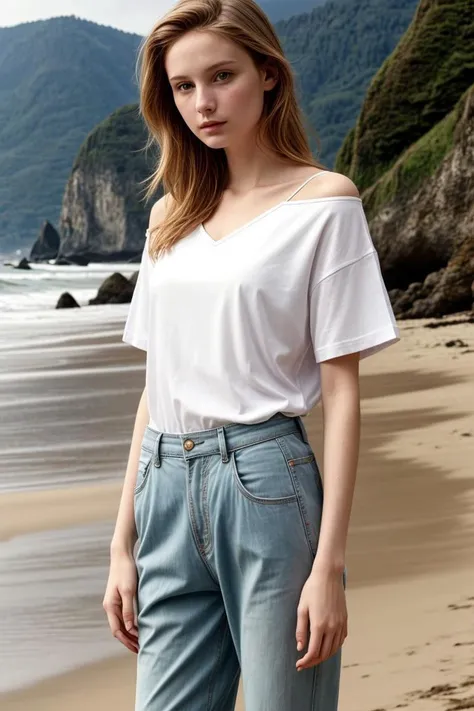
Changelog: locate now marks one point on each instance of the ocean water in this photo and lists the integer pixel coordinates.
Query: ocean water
(69, 388)
(51, 590)
(69, 391)
(41, 286)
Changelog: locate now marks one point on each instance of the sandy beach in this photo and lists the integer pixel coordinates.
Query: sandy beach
(410, 590)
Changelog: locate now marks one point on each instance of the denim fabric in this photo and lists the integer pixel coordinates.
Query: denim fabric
(228, 525)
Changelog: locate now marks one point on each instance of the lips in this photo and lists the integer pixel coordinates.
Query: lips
(213, 123)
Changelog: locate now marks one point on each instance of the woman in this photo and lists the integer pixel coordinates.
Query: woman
(259, 290)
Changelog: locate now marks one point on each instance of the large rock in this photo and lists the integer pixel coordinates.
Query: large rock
(116, 289)
(448, 291)
(23, 264)
(47, 244)
(66, 301)
(103, 216)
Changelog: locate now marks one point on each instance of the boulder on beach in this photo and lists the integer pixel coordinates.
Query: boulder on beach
(47, 244)
(116, 289)
(66, 301)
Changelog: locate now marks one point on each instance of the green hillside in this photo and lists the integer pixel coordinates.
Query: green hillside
(413, 91)
(418, 163)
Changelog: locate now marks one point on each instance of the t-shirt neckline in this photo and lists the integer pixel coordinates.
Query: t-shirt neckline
(265, 213)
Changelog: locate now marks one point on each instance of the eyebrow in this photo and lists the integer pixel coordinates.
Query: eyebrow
(209, 69)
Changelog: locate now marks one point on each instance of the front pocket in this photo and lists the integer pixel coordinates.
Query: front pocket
(144, 465)
(261, 473)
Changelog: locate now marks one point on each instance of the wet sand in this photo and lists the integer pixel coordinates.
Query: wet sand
(411, 543)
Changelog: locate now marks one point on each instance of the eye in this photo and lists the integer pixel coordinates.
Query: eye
(185, 83)
(228, 73)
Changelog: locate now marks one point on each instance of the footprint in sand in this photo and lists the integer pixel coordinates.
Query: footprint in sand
(459, 704)
(437, 690)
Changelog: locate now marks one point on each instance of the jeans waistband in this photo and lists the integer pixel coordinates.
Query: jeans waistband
(219, 440)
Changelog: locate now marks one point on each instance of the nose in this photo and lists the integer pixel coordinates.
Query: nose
(205, 102)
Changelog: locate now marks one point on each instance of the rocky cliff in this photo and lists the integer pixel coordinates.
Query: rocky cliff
(411, 154)
(425, 231)
(103, 216)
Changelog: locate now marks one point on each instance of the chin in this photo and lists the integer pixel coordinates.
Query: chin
(217, 142)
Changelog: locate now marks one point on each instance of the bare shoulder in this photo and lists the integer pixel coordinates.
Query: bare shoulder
(329, 184)
(158, 211)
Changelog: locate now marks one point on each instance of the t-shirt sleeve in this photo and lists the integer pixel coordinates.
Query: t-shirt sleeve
(349, 306)
(137, 324)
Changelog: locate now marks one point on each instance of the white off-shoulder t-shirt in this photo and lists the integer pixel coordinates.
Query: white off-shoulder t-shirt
(235, 329)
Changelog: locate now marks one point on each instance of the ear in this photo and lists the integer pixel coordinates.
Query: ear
(270, 77)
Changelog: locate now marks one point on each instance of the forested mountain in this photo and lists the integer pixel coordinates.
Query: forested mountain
(58, 79)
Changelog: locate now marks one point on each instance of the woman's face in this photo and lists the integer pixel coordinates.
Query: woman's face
(214, 79)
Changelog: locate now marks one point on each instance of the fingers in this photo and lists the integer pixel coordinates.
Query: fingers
(312, 655)
(302, 628)
(128, 615)
(128, 639)
(322, 645)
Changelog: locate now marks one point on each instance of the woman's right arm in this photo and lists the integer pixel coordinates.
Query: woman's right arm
(125, 534)
(121, 589)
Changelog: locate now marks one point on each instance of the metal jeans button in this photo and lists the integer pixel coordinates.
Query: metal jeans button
(188, 444)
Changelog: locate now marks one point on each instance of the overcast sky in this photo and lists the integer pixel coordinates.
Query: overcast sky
(130, 15)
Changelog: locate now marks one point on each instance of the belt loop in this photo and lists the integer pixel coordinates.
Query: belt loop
(302, 429)
(156, 450)
(222, 444)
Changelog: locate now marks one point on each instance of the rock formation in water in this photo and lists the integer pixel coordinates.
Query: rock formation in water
(47, 244)
(103, 216)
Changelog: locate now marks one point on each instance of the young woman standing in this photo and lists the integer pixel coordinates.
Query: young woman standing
(259, 290)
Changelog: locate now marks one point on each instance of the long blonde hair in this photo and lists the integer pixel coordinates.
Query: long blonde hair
(193, 174)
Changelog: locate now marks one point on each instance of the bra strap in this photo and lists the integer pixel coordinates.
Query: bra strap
(306, 181)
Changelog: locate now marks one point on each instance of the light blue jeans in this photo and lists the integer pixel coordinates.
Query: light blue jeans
(228, 525)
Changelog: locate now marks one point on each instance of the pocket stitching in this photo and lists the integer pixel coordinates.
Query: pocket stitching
(292, 498)
(294, 477)
(146, 471)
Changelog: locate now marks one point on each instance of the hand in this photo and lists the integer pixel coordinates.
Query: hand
(119, 600)
(322, 607)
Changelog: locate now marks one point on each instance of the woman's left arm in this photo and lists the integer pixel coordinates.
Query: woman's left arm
(322, 607)
(340, 398)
